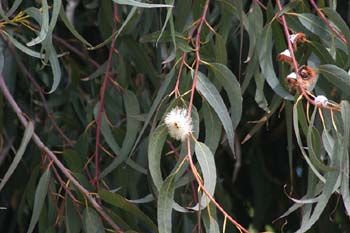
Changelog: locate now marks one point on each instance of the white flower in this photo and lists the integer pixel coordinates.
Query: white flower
(321, 100)
(286, 53)
(178, 124)
(292, 75)
(293, 37)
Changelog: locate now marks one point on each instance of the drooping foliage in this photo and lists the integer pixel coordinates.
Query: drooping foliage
(174, 116)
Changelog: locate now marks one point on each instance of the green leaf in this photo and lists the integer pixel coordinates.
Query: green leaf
(117, 33)
(339, 23)
(132, 109)
(336, 76)
(210, 219)
(91, 221)
(140, 4)
(169, 15)
(56, 69)
(266, 65)
(19, 154)
(213, 128)
(314, 144)
(71, 28)
(301, 147)
(44, 30)
(275, 103)
(159, 96)
(23, 48)
(211, 94)
(330, 186)
(165, 204)
(72, 220)
(344, 189)
(120, 202)
(229, 82)
(318, 27)
(288, 7)
(207, 164)
(155, 147)
(14, 7)
(40, 194)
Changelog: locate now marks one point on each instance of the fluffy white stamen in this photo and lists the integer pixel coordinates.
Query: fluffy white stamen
(286, 53)
(178, 124)
(293, 37)
(321, 100)
(292, 75)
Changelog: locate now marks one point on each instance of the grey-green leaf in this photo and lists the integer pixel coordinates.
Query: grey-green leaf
(207, 164)
(212, 95)
(266, 65)
(165, 204)
(231, 85)
(25, 140)
(92, 222)
(156, 143)
(140, 4)
(39, 200)
(336, 76)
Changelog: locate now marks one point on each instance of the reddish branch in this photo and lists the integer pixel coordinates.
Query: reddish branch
(197, 62)
(201, 186)
(324, 18)
(295, 63)
(66, 172)
(102, 100)
(40, 92)
(198, 58)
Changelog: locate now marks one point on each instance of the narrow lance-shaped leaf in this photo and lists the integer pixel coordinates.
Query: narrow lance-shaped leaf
(344, 189)
(120, 202)
(207, 164)
(267, 69)
(156, 101)
(40, 194)
(25, 140)
(132, 109)
(301, 147)
(336, 76)
(165, 204)
(140, 4)
(72, 220)
(211, 94)
(156, 143)
(44, 30)
(71, 28)
(92, 222)
(56, 69)
(231, 85)
(313, 143)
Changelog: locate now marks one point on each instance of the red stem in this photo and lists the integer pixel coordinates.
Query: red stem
(52, 156)
(295, 63)
(189, 157)
(324, 18)
(201, 186)
(198, 58)
(101, 104)
(39, 90)
(176, 89)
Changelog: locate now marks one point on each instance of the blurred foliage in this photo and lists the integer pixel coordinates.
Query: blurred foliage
(262, 150)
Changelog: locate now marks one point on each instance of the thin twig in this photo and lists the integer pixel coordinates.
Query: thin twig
(190, 106)
(324, 18)
(295, 63)
(200, 184)
(52, 156)
(102, 100)
(38, 88)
